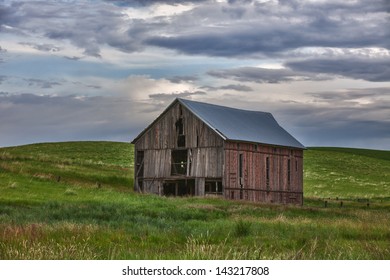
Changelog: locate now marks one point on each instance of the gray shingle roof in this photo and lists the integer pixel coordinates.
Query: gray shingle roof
(242, 125)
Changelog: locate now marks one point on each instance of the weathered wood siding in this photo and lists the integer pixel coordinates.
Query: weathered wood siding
(162, 135)
(204, 146)
(210, 158)
(253, 183)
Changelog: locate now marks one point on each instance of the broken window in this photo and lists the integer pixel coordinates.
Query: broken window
(179, 162)
(240, 165)
(267, 167)
(213, 187)
(181, 139)
(288, 173)
(241, 173)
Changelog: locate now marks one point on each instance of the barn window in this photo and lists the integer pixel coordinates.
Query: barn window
(180, 110)
(181, 139)
(213, 187)
(240, 165)
(179, 162)
(288, 173)
(240, 171)
(267, 167)
(179, 188)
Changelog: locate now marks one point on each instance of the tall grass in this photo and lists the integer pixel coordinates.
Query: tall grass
(91, 212)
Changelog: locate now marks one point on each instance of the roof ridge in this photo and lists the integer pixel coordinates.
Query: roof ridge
(182, 100)
(236, 124)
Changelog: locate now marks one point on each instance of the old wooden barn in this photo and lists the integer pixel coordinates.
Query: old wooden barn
(201, 149)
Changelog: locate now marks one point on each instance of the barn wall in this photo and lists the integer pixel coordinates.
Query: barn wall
(253, 184)
(163, 134)
(204, 148)
(210, 158)
(203, 162)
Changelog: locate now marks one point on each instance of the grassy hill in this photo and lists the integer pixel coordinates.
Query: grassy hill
(75, 201)
(347, 173)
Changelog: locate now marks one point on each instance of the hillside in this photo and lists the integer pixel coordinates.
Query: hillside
(328, 172)
(347, 173)
(75, 201)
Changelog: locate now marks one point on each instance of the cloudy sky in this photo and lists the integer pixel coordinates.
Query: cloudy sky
(103, 70)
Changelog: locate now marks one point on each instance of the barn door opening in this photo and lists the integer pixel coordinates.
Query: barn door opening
(179, 188)
(140, 164)
(140, 170)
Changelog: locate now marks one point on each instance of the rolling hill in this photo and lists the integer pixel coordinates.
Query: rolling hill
(74, 200)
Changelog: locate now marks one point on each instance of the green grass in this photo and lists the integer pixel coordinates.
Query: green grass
(75, 201)
(347, 173)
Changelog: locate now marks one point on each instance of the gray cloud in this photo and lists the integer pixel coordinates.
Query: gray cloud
(369, 69)
(314, 40)
(237, 28)
(354, 95)
(374, 70)
(238, 87)
(263, 75)
(85, 26)
(42, 47)
(2, 51)
(42, 83)
(272, 28)
(341, 126)
(2, 78)
(75, 58)
(179, 79)
(151, 2)
(169, 97)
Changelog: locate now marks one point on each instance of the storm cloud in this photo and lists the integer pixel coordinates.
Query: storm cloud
(271, 28)
(85, 70)
(374, 70)
(222, 29)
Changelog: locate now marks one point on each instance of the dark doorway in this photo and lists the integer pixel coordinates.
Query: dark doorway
(140, 164)
(179, 188)
(169, 189)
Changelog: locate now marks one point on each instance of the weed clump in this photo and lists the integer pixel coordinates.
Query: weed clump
(242, 228)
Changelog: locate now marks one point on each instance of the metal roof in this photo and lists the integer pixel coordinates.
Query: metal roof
(237, 124)
(242, 125)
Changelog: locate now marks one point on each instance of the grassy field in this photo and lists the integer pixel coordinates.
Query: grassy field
(75, 201)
